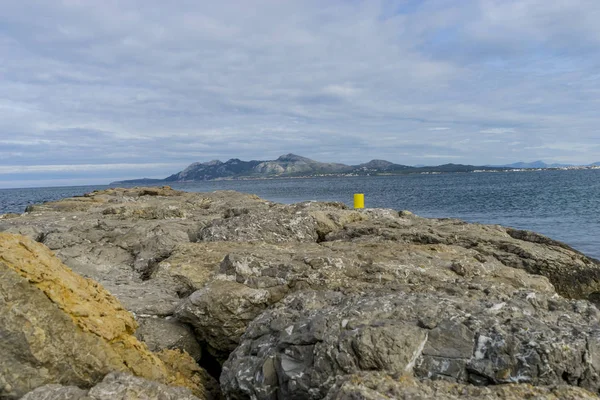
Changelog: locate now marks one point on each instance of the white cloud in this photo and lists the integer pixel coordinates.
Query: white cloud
(498, 131)
(25, 169)
(145, 82)
(340, 90)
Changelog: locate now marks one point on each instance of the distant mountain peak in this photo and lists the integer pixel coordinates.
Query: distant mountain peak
(293, 165)
(377, 162)
(213, 162)
(290, 157)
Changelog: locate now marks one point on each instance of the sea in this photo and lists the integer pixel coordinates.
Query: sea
(561, 204)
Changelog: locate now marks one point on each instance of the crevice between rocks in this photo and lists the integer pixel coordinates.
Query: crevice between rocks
(148, 272)
(209, 362)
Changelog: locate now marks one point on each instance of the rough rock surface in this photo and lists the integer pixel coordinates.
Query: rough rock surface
(251, 278)
(302, 300)
(115, 386)
(379, 386)
(162, 333)
(54, 391)
(297, 348)
(57, 327)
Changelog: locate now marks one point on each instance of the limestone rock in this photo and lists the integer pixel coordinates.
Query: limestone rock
(9, 215)
(573, 274)
(119, 386)
(57, 392)
(27, 230)
(379, 386)
(488, 303)
(270, 226)
(57, 327)
(195, 264)
(115, 386)
(221, 311)
(293, 349)
(163, 334)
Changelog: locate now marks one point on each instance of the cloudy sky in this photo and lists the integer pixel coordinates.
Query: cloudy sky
(97, 90)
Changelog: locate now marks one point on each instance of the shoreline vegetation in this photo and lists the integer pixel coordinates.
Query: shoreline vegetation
(227, 295)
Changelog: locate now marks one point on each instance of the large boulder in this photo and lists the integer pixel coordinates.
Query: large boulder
(221, 311)
(251, 277)
(58, 327)
(572, 273)
(295, 349)
(302, 222)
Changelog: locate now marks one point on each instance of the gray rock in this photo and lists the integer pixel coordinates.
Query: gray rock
(482, 300)
(296, 348)
(151, 243)
(252, 277)
(573, 274)
(275, 225)
(380, 386)
(161, 333)
(57, 392)
(115, 386)
(30, 231)
(120, 386)
(221, 311)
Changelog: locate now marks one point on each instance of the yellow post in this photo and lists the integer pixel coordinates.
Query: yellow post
(359, 200)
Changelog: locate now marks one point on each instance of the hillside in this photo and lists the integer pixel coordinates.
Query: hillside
(292, 165)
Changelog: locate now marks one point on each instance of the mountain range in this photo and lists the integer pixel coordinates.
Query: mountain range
(292, 165)
(535, 164)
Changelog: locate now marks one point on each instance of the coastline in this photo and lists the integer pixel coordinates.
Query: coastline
(258, 178)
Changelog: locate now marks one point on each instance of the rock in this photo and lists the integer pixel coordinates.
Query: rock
(302, 222)
(58, 327)
(379, 386)
(280, 286)
(293, 349)
(66, 205)
(189, 374)
(195, 264)
(118, 237)
(252, 277)
(9, 215)
(27, 230)
(221, 311)
(112, 266)
(160, 334)
(573, 274)
(270, 226)
(151, 244)
(119, 386)
(115, 386)
(57, 392)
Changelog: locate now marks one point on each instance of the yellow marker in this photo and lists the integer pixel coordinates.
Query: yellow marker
(359, 200)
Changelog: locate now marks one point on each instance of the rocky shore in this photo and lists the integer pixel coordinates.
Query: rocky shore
(152, 293)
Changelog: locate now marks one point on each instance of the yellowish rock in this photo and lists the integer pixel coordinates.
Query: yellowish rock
(58, 327)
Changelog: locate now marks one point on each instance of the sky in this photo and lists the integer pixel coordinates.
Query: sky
(93, 91)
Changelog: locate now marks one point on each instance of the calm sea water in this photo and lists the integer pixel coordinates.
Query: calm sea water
(564, 205)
